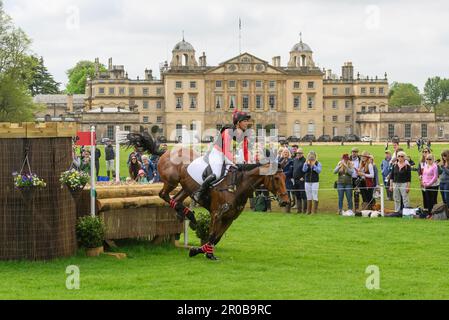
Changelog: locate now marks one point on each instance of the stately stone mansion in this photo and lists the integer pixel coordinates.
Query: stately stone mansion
(296, 99)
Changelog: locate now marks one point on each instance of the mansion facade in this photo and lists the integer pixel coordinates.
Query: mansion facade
(296, 98)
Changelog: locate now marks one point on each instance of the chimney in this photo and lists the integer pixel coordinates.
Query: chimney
(276, 61)
(69, 103)
(329, 73)
(110, 64)
(148, 74)
(97, 67)
(203, 62)
(347, 71)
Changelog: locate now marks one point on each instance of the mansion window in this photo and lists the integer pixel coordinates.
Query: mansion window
(310, 85)
(231, 84)
(158, 104)
(390, 130)
(424, 130)
(231, 102)
(132, 103)
(372, 90)
(334, 91)
(363, 90)
(145, 119)
(121, 91)
(127, 128)
(101, 90)
(145, 105)
(272, 102)
(381, 90)
(334, 118)
(110, 132)
(159, 119)
(259, 102)
(132, 91)
(297, 102)
(347, 104)
(347, 91)
(245, 102)
(179, 130)
(218, 84)
(111, 91)
(311, 128)
(178, 99)
(272, 85)
(245, 84)
(296, 85)
(192, 101)
(440, 132)
(192, 84)
(159, 91)
(218, 102)
(178, 85)
(334, 104)
(348, 118)
(408, 130)
(310, 102)
(259, 84)
(145, 91)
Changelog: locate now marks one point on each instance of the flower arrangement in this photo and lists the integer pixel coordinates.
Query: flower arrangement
(74, 179)
(28, 180)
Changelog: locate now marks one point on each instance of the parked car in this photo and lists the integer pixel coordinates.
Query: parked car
(325, 138)
(352, 138)
(308, 138)
(293, 139)
(338, 139)
(366, 139)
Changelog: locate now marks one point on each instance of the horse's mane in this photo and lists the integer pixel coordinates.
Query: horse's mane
(146, 142)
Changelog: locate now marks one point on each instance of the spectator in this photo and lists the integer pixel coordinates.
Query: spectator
(444, 177)
(386, 169)
(109, 156)
(430, 182)
(288, 171)
(134, 168)
(344, 169)
(293, 150)
(85, 163)
(312, 169)
(298, 177)
(401, 177)
(97, 161)
(148, 168)
(366, 173)
(76, 161)
(135, 153)
(142, 177)
(395, 151)
(155, 160)
(408, 143)
(429, 145)
(421, 165)
(355, 159)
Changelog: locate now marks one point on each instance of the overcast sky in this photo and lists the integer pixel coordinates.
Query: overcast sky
(407, 39)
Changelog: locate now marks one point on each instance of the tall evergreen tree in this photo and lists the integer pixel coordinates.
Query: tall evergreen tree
(42, 81)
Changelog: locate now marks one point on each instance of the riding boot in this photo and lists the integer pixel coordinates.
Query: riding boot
(304, 205)
(109, 174)
(298, 205)
(309, 206)
(206, 184)
(315, 206)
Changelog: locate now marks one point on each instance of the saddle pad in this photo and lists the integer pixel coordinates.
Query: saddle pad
(196, 169)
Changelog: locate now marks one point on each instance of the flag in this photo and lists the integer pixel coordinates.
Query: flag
(83, 138)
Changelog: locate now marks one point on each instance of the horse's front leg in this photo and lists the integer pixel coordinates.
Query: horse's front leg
(181, 210)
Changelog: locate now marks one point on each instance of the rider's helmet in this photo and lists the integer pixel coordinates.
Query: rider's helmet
(238, 116)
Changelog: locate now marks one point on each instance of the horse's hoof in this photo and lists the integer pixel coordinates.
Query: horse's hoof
(211, 256)
(194, 251)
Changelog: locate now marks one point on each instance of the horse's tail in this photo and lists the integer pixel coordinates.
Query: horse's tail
(146, 142)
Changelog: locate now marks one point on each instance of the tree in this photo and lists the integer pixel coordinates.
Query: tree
(78, 75)
(442, 109)
(16, 103)
(432, 91)
(404, 94)
(42, 81)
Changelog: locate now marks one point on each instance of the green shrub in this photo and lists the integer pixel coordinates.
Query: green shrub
(203, 223)
(90, 232)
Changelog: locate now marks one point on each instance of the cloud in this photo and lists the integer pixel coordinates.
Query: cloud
(406, 39)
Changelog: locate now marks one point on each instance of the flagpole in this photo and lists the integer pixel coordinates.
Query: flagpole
(93, 176)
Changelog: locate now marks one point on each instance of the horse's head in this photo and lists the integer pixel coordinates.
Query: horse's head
(275, 183)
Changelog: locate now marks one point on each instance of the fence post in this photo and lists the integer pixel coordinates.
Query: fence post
(93, 176)
(382, 199)
(117, 155)
(186, 232)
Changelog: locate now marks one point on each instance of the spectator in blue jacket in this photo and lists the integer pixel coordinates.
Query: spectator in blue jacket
(312, 169)
(148, 168)
(386, 170)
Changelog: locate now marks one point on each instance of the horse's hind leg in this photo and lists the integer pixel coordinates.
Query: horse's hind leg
(183, 211)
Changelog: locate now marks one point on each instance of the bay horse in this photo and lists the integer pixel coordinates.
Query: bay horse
(224, 205)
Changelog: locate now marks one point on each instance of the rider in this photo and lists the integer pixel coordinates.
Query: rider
(233, 141)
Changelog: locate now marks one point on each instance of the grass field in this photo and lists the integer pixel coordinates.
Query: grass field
(263, 256)
(329, 155)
